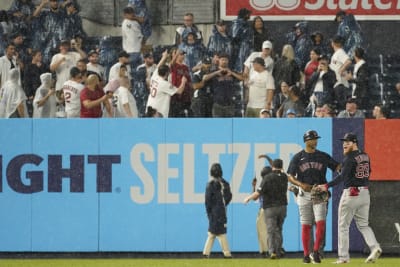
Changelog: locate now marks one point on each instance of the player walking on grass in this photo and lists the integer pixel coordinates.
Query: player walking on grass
(306, 169)
(355, 199)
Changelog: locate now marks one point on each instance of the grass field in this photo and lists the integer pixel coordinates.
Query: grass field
(382, 262)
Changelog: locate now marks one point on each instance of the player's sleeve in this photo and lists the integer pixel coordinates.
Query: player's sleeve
(331, 163)
(292, 169)
(346, 172)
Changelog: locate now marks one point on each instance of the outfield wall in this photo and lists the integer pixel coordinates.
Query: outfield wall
(138, 185)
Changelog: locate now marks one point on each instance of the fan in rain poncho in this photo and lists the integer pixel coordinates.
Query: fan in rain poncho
(241, 40)
(13, 98)
(141, 10)
(219, 41)
(350, 30)
(45, 103)
(301, 42)
(194, 51)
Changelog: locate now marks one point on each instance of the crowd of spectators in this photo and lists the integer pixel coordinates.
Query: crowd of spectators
(47, 69)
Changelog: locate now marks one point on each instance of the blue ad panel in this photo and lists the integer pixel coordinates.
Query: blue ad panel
(132, 217)
(65, 211)
(193, 146)
(138, 185)
(15, 223)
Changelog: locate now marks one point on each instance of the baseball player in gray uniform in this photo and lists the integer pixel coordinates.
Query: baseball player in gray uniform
(355, 199)
(307, 169)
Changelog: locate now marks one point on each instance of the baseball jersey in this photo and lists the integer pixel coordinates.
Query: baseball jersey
(124, 96)
(311, 168)
(160, 94)
(259, 83)
(178, 71)
(131, 36)
(356, 168)
(72, 91)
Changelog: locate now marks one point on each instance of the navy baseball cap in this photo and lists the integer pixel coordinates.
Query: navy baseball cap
(350, 137)
(310, 135)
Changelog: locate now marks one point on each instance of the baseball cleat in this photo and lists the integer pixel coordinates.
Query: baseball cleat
(315, 257)
(375, 254)
(306, 259)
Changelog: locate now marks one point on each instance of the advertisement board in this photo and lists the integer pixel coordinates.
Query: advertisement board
(383, 148)
(138, 185)
(312, 9)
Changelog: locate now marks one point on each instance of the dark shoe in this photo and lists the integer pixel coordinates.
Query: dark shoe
(227, 257)
(315, 257)
(306, 259)
(282, 252)
(206, 256)
(321, 254)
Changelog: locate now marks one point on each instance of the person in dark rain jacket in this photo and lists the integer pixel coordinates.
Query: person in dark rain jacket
(218, 196)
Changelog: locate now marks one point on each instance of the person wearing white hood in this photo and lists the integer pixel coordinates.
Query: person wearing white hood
(45, 102)
(12, 97)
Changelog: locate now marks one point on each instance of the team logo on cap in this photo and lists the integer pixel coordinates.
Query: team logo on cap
(285, 5)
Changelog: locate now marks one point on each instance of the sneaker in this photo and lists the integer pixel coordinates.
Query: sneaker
(206, 256)
(340, 262)
(273, 256)
(375, 254)
(306, 259)
(315, 257)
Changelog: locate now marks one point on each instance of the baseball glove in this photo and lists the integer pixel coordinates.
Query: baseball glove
(318, 196)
